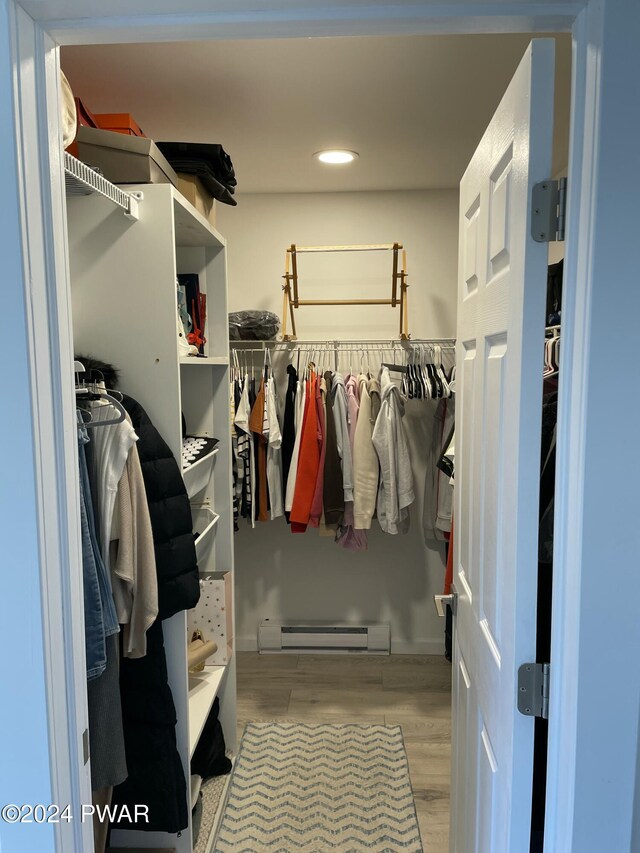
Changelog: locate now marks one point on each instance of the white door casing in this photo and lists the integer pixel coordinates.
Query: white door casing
(501, 303)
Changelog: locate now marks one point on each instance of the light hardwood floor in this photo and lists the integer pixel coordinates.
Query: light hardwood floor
(413, 691)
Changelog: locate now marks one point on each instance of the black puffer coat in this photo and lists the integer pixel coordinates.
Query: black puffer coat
(156, 777)
(170, 511)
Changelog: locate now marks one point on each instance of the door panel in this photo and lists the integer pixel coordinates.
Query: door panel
(501, 298)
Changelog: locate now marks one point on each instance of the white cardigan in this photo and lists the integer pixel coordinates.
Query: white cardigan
(395, 493)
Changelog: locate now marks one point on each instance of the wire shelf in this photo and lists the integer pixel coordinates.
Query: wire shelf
(85, 180)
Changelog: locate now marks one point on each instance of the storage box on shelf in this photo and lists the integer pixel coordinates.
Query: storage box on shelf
(213, 615)
(119, 123)
(124, 304)
(124, 159)
(196, 193)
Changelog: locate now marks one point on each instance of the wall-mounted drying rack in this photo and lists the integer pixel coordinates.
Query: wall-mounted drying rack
(398, 284)
(82, 180)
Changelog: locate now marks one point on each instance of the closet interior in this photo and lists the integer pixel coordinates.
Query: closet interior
(271, 603)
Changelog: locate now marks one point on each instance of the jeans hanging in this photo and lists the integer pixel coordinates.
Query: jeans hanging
(101, 619)
(94, 637)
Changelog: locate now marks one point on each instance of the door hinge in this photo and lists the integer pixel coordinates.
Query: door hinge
(533, 689)
(85, 745)
(548, 210)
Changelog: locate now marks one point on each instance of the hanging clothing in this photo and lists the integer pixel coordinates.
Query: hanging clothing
(133, 565)
(301, 400)
(347, 536)
(246, 453)
(448, 577)
(309, 460)
(366, 468)
(274, 451)
(316, 511)
(237, 466)
(353, 407)
(340, 417)
(156, 775)
(111, 446)
(257, 424)
(106, 729)
(333, 491)
(373, 389)
(438, 491)
(95, 638)
(289, 424)
(170, 513)
(395, 492)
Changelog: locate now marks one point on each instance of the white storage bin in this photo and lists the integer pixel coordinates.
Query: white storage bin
(197, 476)
(204, 522)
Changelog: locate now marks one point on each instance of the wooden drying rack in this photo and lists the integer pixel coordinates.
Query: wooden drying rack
(398, 284)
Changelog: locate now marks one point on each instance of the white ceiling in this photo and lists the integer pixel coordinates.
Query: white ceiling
(414, 107)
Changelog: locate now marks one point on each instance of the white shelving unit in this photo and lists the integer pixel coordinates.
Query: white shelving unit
(123, 276)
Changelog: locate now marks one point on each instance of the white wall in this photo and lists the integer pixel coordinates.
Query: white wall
(279, 575)
(261, 228)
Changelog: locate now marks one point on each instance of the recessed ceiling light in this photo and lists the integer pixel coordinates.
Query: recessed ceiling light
(336, 156)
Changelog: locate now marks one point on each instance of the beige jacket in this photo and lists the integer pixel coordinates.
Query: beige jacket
(133, 563)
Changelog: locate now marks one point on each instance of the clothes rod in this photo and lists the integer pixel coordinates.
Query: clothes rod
(445, 343)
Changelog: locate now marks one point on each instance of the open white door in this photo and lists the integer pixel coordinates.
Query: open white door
(501, 305)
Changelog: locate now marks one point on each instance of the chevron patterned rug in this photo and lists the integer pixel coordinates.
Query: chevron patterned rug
(319, 788)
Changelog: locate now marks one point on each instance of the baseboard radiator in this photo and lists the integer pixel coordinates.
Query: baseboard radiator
(277, 637)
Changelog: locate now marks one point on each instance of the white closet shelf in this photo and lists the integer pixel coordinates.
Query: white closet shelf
(203, 689)
(191, 228)
(207, 360)
(196, 476)
(203, 515)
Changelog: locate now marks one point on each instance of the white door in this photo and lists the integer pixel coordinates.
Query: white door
(501, 305)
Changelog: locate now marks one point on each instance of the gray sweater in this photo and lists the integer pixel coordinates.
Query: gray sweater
(339, 395)
(395, 492)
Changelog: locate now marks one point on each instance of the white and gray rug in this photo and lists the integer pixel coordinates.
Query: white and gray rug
(319, 788)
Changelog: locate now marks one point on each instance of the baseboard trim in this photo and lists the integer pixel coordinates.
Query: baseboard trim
(398, 647)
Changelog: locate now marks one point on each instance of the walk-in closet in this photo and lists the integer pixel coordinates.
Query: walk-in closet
(308, 306)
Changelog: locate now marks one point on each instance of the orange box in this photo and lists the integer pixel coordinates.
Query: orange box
(119, 122)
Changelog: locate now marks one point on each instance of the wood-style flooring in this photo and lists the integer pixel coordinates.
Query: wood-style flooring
(413, 691)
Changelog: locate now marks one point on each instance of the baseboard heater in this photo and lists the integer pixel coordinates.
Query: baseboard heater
(277, 637)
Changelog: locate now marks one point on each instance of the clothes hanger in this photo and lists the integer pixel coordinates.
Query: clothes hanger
(415, 382)
(85, 393)
(442, 379)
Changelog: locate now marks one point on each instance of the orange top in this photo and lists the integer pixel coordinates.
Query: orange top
(308, 461)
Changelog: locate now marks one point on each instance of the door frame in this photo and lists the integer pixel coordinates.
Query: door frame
(597, 268)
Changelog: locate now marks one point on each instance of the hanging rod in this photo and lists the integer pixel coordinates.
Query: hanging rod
(367, 343)
(97, 183)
